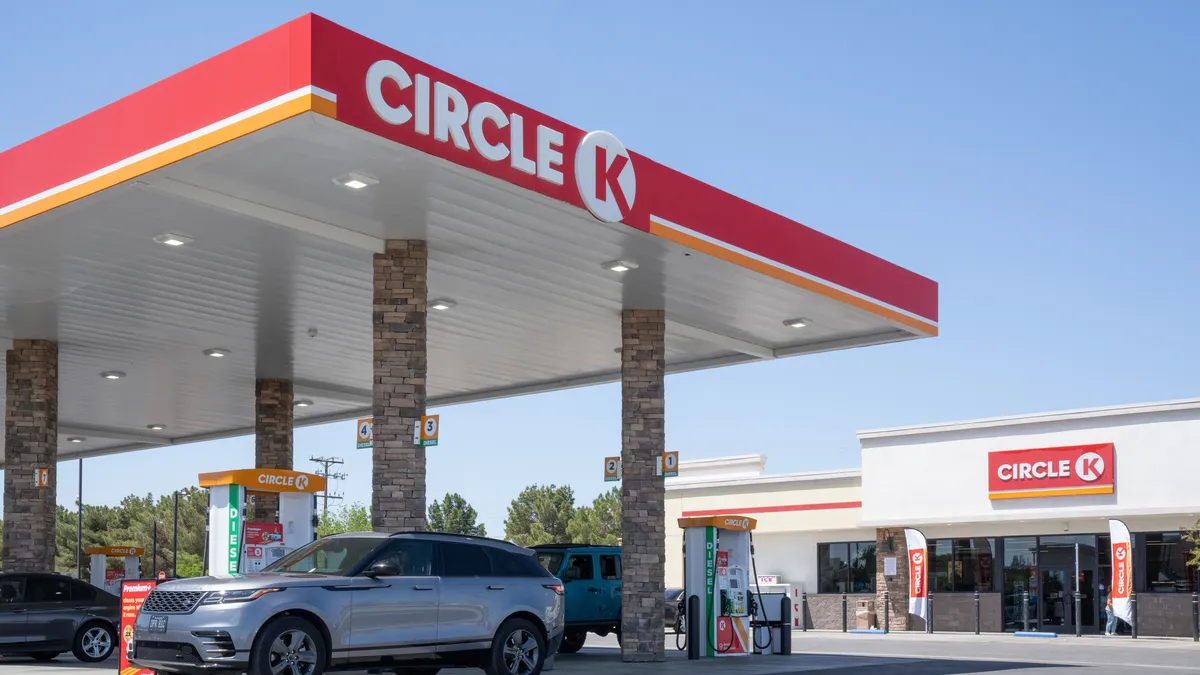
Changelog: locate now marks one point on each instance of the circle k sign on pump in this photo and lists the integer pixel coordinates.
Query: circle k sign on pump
(1052, 472)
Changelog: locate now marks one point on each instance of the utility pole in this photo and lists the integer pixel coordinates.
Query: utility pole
(325, 463)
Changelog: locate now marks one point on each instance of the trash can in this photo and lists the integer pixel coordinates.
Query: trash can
(864, 614)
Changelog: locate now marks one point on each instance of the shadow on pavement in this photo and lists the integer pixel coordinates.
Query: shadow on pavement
(62, 662)
(608, 662)
(914, 666)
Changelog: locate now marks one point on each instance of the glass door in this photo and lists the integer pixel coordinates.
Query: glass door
(1057, 614)
(1056, 558)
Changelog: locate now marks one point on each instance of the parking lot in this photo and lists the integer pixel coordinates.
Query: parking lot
(844, 654)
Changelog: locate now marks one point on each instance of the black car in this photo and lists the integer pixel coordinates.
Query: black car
(44, 615)
(674, 617)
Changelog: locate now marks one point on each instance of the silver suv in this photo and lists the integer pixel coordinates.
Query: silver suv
(409, 602)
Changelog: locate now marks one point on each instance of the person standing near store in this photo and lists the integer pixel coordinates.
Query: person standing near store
(1110, 626)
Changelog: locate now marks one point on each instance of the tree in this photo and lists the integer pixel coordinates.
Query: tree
(453, 514)
(539, 515)
(345, 518)
(599, 523)
(1193, 537)
(190, 565)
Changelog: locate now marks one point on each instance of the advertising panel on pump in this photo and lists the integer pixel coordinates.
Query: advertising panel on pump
(133, 594)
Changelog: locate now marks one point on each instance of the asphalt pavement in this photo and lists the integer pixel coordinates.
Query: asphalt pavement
(851, 654)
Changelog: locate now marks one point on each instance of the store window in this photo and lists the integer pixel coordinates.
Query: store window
(961, 565)
(1166, 567)
(974, 564)
(941, 566)
(846, 568)
(862, 567)
(1020, 576)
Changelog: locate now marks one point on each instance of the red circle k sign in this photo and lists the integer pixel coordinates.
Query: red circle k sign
(1051, 472)
(605, 177)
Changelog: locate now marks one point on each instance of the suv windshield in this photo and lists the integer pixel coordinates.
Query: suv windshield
(552, 561)
(335, 555)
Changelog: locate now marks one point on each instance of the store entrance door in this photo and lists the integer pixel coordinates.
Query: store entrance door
(1056, 575)
(1057, 614)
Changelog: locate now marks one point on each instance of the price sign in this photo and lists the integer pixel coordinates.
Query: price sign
(612, 469)
(365, 433)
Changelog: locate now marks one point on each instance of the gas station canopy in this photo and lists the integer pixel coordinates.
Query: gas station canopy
(219, 226)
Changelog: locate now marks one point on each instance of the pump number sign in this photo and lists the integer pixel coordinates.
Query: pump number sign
(670, 464)
(612, 469)
(427, 433)
(365, 435)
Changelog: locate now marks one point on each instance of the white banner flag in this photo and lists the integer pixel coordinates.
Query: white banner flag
(918, 573)
(1122, 571)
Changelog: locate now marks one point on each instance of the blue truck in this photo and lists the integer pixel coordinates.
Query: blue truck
(591, 577)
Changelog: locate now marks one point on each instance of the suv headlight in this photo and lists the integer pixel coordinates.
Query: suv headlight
(218, 597)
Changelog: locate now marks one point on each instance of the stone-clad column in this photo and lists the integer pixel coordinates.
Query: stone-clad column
(400, 364)
(30, 443)
(273, 400)
(890, 543)
(643, 528)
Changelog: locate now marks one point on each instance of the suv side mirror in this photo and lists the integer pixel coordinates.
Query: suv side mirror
(383, 568)
(572, 574)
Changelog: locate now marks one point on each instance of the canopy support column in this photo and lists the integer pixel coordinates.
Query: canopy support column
(273, 424)
(30, 455)
(643, 509)
(399, 315)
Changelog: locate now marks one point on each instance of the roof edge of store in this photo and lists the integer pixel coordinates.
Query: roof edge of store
(1179, 405)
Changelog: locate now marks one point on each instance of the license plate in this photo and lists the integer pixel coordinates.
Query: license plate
(158, 624)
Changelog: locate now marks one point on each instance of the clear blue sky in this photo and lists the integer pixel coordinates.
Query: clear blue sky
(1038, 159)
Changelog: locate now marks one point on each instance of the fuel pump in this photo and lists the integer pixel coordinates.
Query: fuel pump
(717, 565)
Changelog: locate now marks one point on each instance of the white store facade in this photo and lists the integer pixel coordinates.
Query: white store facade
(1004, 504)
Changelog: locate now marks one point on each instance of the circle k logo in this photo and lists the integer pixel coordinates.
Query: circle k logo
(1120, 553)
(918, 557)
(1089, 467)
(605, 176)
(301, 482)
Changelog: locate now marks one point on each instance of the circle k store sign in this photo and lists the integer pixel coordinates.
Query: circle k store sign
(1052, 472)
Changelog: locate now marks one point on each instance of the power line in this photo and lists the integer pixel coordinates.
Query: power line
(324, 471)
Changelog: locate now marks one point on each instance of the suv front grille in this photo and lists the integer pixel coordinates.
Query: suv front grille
(166, 652)
(171, 602)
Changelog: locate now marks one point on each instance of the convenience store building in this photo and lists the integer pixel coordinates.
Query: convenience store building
(1003, 503)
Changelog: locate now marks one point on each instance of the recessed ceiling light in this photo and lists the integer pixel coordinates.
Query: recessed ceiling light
(355, 181)
(171, 239)
(216, 353)
(620, 265)
(797, 323)
(156, 427)
(76, 439)
(303, 403)
(112, 374)
(442, 305)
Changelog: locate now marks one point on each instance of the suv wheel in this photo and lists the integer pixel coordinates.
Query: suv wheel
(288, 646)
(94, 642)
(518, 649)
(572, 641)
